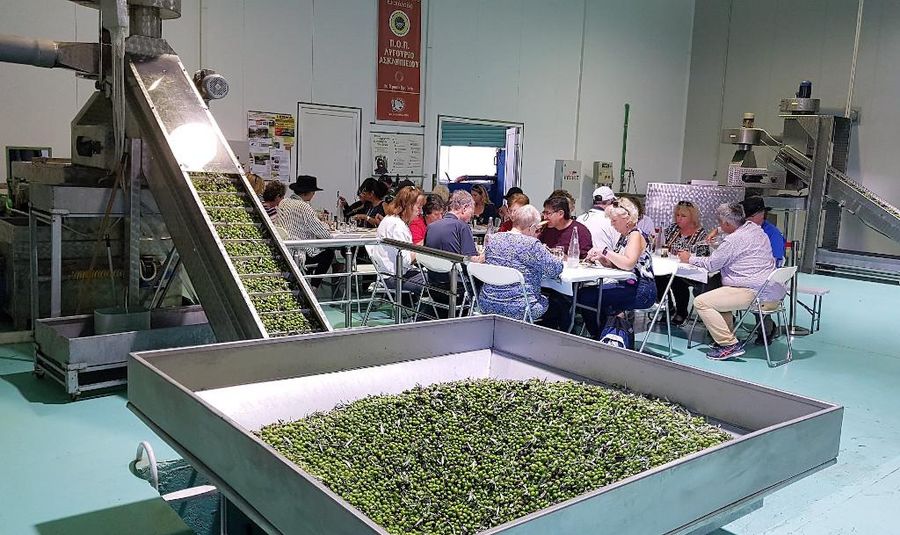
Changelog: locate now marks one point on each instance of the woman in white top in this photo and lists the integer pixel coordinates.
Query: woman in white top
(395, 226)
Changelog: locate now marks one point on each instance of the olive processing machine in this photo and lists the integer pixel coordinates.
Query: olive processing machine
(149, 126)
(811, 158)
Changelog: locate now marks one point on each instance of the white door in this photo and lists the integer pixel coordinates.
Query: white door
(512, 167)
(328, 148)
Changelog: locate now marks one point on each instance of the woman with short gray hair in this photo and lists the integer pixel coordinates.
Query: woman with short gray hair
(520, 250)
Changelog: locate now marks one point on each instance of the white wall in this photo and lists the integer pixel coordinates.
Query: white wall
(511, 60)
(771, 46)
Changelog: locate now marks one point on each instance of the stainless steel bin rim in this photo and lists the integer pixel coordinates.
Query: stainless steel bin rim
(216, 387)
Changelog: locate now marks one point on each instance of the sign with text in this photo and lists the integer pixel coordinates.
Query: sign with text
(399, 60)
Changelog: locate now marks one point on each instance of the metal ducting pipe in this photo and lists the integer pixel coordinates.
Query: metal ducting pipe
(28, 51)
(145, 21)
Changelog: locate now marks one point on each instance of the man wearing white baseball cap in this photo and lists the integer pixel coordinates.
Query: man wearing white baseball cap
(602, 232)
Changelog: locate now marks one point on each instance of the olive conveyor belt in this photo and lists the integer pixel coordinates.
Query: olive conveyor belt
(242, 272)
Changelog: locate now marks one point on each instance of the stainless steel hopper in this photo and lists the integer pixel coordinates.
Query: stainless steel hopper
(207, 401)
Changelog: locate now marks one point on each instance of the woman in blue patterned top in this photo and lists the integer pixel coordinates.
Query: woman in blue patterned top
(519, 249)
(631, 253)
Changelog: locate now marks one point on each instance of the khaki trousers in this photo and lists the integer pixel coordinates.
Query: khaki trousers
(715, 308)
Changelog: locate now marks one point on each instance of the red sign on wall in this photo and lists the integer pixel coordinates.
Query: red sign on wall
(399, 60)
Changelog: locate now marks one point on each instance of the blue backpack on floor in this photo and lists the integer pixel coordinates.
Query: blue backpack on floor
(618, 332)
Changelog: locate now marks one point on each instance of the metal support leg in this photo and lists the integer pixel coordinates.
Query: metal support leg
(792, 326)
(134, 224)
(452, 302)
(55, 265)
(35, 294)
(398, 288)
(664, 302)
(348, 284)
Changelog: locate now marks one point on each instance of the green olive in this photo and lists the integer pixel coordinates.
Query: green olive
(466, 456)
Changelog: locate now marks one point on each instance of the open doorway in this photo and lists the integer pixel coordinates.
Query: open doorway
(477, 151)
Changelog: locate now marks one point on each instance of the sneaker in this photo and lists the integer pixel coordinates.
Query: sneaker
(725, 352)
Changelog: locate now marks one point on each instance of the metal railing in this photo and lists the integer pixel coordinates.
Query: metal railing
(350, 244)
(399, 271)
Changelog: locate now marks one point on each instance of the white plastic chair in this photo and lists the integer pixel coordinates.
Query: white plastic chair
(433, 264)
(380, 287)
(499, 276)
(779, 276)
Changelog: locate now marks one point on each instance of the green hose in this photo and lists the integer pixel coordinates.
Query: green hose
(624, 147)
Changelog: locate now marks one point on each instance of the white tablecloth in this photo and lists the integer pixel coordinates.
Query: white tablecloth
(582, 273)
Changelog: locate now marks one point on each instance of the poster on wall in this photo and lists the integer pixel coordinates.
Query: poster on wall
(398, 154)
(270, 137)
(399, 75)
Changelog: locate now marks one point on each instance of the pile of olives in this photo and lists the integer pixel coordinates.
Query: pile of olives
(275, 302)
(248, 248)
(286, 323)
(240, 232)
(462, 457)
(224, 199)
(230, 215)
(266, 284)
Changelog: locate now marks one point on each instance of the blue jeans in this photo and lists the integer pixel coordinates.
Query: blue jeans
(617, 297)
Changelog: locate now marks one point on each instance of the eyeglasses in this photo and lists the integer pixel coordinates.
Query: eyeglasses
(688, 204)
(550, 212)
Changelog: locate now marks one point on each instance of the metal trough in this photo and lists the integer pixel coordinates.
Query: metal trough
(206, 401)
(71, 352)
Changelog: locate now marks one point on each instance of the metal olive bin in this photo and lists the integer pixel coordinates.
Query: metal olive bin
(206, 401)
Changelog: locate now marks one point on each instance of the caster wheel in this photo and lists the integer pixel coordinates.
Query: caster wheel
(38, 374)
(75, 395)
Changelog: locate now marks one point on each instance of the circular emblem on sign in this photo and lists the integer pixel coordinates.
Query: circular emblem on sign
(400, 23)
(397, 104)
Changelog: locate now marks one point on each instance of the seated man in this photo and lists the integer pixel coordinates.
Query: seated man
(300, 220)
(559, 227)
(756, 210)
(602, 232)
(453, 234)
(745, 261)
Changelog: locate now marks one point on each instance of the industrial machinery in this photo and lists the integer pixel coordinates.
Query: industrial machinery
(811, 160)
(603, 174)
(567, 175)
(149, 125)
(207, 403)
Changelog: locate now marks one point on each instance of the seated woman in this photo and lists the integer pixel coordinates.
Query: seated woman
(375, 193)
(395, 226)
(431, 208)
(685, 234)
(631, 253)
(513, 201)
(484, 208)
(360, 206)
(519, 249)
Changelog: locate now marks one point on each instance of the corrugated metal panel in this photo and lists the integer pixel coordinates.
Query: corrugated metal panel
(472, 135)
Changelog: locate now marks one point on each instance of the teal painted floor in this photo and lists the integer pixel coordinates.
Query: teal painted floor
(66, 465)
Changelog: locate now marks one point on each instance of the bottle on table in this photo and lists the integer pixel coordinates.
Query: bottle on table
(491, 229)
(573, 255)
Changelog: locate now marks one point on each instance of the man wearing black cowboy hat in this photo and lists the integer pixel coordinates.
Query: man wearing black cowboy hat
(755, 209)
(301, 222)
